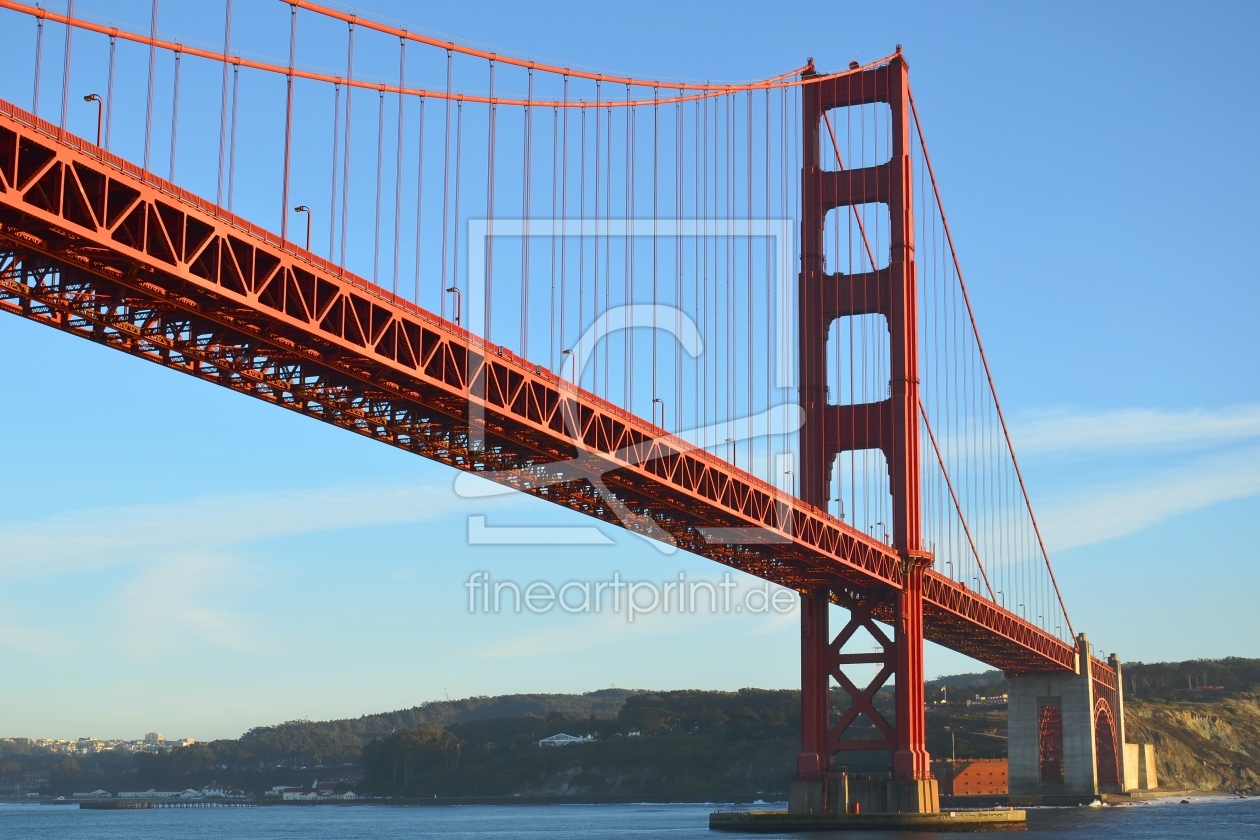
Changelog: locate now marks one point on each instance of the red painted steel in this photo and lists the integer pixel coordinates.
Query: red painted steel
(1107, 744)
(705, 91)
(95, 246)
(1050, 743)
(891, 425)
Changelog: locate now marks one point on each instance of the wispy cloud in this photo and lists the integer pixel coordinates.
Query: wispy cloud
(136, 535)
(1107, 511)
(1128, 429)
(179, 578)
(190, 598)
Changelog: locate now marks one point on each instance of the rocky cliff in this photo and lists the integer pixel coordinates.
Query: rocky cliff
(1207, 745)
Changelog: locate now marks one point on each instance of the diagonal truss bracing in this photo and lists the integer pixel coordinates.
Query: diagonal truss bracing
(96, 247)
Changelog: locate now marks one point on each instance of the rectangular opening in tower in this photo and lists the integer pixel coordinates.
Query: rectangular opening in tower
(855, 240)
(855, 137)
(858, 366)
(860, 494)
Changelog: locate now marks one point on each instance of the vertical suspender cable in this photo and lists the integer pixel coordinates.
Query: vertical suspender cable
(678, 260)
(345, 166)
(223, 101)
(627, 279)
(656, 210)
(39, 55)
(419, 197)
(65, 73)
(459, 169)
(332, 199)
(564, 214)
(770, 304)
(175, 112)
(749, 280)
(785, 213)
(398, 165)
(236, 99)
(380, 162)
(109, 93)
(607, 238)
(526, 174)
(702, 267)
(631, 126)
(555, 179)
(490, 137)
(599, 119)
(288, 125)
(729, 305)
(985, 363)
(446, 189)
(148, 111)
(581, 307)
(597, 173)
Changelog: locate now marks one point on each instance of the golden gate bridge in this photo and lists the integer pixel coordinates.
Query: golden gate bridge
(730, 318)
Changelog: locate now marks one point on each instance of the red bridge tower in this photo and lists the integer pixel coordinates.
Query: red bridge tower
(892, 426)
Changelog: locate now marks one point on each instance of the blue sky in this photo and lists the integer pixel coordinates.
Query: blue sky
(181, 558)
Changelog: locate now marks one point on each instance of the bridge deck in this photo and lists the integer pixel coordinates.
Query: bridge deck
(95, 246)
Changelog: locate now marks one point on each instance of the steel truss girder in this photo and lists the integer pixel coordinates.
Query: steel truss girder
(862, 608)
(96, 247)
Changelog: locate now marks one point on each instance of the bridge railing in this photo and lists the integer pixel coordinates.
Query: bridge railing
(526, 204)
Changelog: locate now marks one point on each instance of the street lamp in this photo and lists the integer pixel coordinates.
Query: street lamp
(791, 482)
(656, 400)
(302, 208)
(730, 449)
(564, 353)
(459, 302)
(93, 97)
(883, 528)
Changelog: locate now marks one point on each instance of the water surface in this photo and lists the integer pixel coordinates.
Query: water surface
(1204, 818)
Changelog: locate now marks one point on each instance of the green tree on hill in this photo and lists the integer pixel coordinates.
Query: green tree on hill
(63, 775)
(393, 760)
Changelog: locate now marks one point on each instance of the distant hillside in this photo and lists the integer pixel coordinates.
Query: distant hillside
(663, 745)
(336, 741)
(1191, 679)
(987, 681)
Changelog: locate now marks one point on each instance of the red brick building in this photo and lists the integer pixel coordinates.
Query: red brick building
(971, 776)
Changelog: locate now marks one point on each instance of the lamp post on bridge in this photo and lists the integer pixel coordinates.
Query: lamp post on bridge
(459, 302)
(96, 97)
(302, 208)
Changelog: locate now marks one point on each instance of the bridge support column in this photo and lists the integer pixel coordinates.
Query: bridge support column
(808, 795)
(912, 789)
(891, 426)
(1051, 749)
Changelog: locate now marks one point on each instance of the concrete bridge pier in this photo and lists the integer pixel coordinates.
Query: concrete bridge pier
(1066, 735)
(1050, 726)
